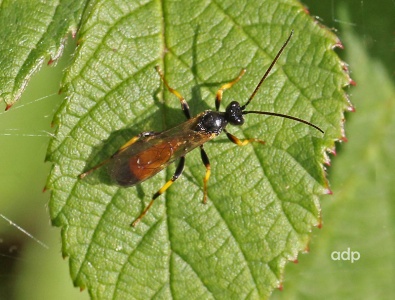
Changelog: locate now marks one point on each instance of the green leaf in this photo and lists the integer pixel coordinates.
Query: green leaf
(359, 217)
(32, 31)
(262, 199)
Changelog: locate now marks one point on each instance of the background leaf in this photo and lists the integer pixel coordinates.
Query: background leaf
(29, 271)
(359, 216)
(262, 199)
(35, 30)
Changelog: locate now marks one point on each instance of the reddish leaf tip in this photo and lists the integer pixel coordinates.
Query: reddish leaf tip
(8, 107)
(338, 44)
(344, 139)
(280, 287)
(333, 151)
(352, 82)
(351, 109)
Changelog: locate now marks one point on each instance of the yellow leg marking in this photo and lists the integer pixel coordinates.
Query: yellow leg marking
(184, 104)
(173, 91)
(228, 86)
(135, 222)
(164, 188)
(156, 195)
(205, 180)
(177, 174)
(130, 142)
(247, 141)
(239, 142)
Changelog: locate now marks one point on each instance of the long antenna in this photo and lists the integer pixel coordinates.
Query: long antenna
(281, 115)
(245, 112)
(267, 72)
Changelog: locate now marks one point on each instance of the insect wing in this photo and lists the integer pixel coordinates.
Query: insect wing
(149, 155)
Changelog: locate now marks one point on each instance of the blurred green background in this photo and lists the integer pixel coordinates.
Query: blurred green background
(359, 215)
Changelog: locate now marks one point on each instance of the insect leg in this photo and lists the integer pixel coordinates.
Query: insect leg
(206, 162)
(226, 86)
(129, 143)
(133, 140)
(184, 104)
(239, 142)
(177, 174)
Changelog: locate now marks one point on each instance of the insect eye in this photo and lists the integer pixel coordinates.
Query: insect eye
(234, 113)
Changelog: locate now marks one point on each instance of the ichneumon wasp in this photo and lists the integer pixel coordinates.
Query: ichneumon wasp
(148, 153)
